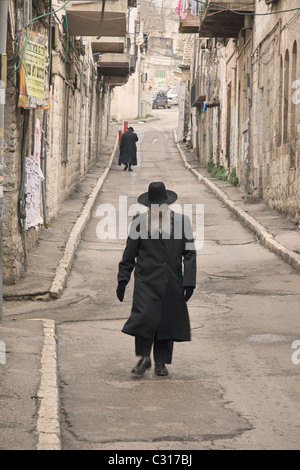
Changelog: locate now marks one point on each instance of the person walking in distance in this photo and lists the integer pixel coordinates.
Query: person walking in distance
(128, 149)
(160, 249)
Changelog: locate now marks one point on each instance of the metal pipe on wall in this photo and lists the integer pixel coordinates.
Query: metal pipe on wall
(44, 153)
(22, 192)
(44, 141)
(91, 113)
(3, 72)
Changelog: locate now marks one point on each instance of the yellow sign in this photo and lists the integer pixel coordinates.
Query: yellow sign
(34, 90)
(35, 69)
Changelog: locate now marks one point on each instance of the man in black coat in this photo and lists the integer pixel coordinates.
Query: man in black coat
(128, 149)
(159, 245)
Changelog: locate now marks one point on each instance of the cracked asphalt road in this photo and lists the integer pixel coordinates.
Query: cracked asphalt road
(234, 386)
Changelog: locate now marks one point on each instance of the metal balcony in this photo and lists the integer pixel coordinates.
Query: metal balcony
(85, 18)
(108, 44)
(115, 81)
(190, 24)
(114, 65)
(198, 95)
(217, 19)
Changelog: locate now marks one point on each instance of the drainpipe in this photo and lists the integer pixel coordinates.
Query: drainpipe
(3, 72)
(44, 140)
(91, 113)
(139, 84)
(81, 101)
(250, 98)
(22, 192)
(98, 93)
(44, 154)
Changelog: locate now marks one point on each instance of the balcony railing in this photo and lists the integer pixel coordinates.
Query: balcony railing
(198, 90)
(190, 24)
(114, 65)
(108, 44)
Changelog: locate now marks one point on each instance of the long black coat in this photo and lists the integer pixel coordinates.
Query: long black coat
(162, 268)
(128, 148)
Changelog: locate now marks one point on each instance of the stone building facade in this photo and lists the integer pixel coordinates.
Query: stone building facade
(245, 99)
(276, 114)
(158, 49)
(51, 143)
(160, 65)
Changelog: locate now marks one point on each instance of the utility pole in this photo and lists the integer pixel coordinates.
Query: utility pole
(3, 72)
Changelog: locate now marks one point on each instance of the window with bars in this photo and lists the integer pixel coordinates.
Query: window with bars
(160, 74)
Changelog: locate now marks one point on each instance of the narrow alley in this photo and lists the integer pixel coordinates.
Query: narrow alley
(234, 386)
(201, 99)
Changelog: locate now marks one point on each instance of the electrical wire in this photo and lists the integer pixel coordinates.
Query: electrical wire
(165, 55)
(26, 33)
(248, 12)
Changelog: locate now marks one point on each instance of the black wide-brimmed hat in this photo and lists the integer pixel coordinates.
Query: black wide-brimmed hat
(157, 194)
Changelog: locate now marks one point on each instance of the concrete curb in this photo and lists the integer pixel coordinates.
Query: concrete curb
(65, 263)
(265, 238)
(48, 424)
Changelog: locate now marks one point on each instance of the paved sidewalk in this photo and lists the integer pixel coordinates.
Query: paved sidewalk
(272, 229)
(50, 260)
(19, 383)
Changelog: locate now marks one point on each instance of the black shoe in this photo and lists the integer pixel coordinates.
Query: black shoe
(143, 364)
(160, 369)
(125, 167)
(129, 169)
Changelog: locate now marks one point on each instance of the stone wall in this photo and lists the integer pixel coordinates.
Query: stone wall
(256, 78)
(74, 135)
(275, 144)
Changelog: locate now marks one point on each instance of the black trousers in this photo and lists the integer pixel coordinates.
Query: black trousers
(162, 349)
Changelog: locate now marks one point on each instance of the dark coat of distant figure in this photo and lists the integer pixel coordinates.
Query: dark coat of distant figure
(128, 148)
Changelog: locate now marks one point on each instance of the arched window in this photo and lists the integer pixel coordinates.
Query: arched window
(287, 96)
(279, 118)
(294, 78)
(293, 109)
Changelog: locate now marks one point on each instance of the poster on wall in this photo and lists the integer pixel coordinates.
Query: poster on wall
(34, 90)
(34, 177)
(37, 141)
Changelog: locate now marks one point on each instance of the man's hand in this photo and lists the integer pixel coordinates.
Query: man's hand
(188, 292)
(121, 291)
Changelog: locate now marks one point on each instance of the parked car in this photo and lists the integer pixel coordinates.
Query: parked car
(159, 100)
(172, 96)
